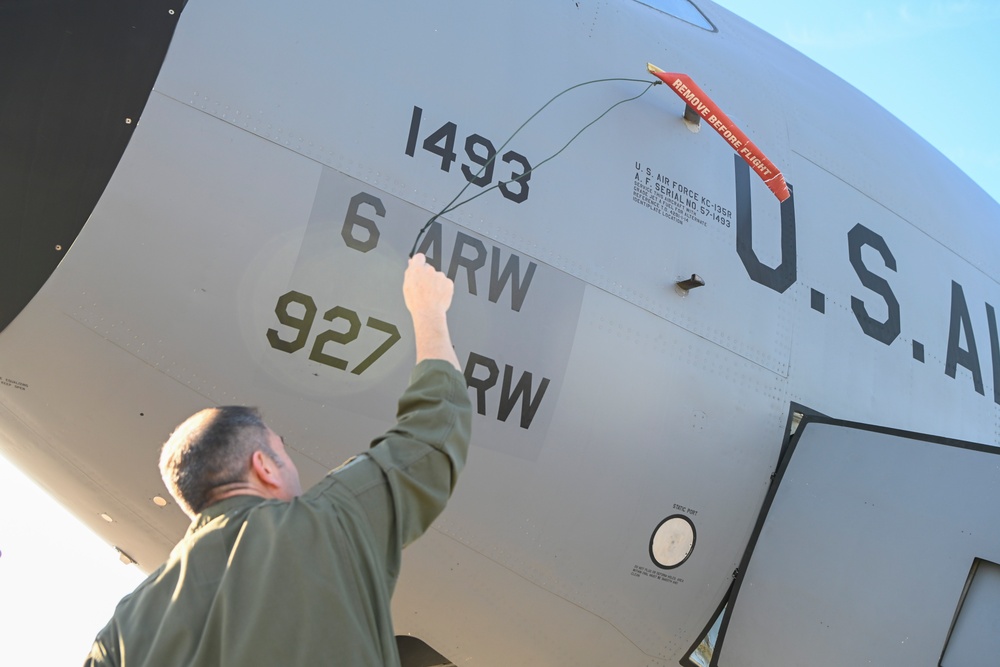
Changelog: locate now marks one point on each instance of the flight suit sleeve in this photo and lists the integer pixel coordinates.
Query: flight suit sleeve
(404, 481)
(103, 652)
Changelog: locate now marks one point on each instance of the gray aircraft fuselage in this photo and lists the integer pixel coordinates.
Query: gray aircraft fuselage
(247, 240)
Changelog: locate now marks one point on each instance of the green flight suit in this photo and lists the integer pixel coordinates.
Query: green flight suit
(306, 582)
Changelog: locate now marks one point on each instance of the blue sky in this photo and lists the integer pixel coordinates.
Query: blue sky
(932, 64)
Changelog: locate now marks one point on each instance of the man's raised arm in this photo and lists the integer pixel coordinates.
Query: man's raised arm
(428, 293)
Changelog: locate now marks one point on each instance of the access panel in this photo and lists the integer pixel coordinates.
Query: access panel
(863, 552)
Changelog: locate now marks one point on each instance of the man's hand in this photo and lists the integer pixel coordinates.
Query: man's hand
(425, 289)
(427, 293)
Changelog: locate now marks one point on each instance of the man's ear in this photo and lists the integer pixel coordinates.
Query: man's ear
(264, 468)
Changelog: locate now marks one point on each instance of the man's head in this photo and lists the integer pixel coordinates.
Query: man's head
(226, 451)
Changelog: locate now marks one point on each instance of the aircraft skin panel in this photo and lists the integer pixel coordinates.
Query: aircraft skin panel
(574, 506)
(240, 200)
(377, 102)
(250, 249)
(908, 304)
(422, 607)
(822, 585)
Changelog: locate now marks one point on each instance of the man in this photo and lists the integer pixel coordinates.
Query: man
(267, 575)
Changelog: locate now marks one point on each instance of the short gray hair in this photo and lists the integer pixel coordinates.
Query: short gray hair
(210, 449)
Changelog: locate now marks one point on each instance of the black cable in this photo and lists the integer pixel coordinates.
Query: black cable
(451, 206)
